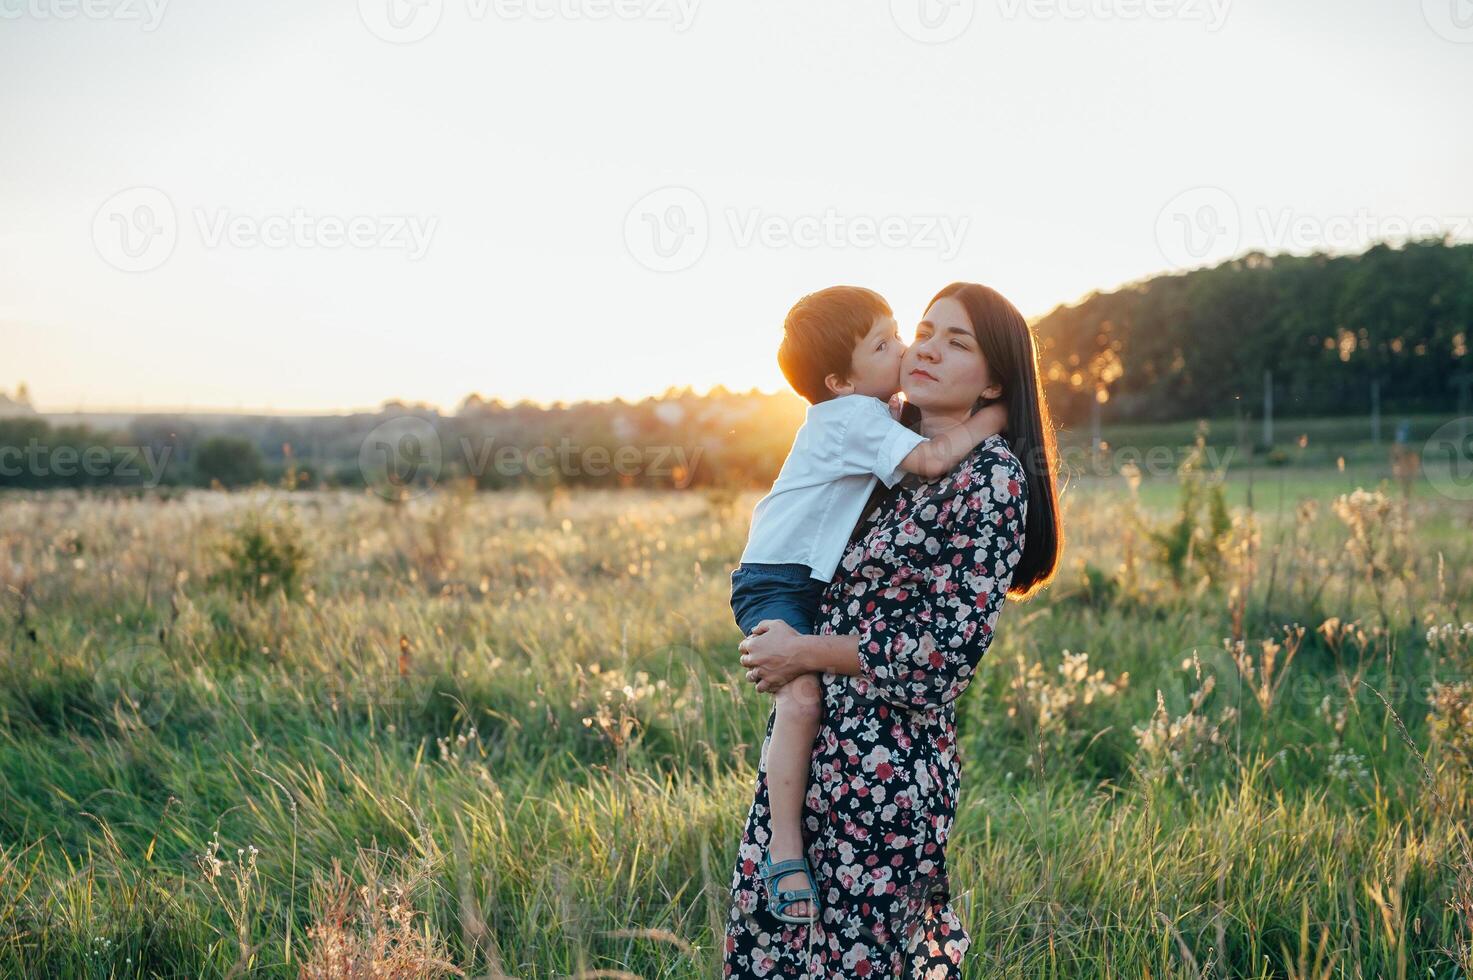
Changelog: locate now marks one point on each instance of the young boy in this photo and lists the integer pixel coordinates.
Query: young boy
(840, 351)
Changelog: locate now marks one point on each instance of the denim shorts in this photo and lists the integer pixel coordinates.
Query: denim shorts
(786, 592)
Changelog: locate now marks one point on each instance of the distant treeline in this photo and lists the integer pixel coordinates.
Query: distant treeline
(679, 439)
(1170, 348)
(1328, 328)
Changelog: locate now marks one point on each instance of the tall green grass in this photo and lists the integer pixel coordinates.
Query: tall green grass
(518, 720)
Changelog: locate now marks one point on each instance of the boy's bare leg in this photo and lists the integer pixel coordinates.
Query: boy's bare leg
(789, 753)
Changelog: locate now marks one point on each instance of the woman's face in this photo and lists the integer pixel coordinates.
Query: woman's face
(944, 370)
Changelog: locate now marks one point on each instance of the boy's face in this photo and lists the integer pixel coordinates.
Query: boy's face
(874, 369)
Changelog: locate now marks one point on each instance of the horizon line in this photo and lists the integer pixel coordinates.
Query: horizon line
(543, 404)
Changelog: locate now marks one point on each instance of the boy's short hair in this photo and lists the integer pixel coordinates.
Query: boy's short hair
(820, 334)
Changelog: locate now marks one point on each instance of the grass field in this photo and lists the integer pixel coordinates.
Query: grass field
(284, 734)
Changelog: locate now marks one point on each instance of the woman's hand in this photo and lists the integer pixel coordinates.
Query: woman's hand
(770, 655)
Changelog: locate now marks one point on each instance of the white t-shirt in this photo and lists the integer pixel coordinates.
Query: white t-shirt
(844, 445)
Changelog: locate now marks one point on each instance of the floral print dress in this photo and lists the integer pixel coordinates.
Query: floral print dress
(921, 583)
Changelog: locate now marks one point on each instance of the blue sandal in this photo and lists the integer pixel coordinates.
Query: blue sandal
(780, 900)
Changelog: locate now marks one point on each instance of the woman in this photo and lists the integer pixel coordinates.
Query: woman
(901, 629)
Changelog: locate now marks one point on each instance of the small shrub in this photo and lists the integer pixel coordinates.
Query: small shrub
(1379, 532)
(1095, 587)
(370, 928)
(1054, 713)
(1451, 718)
(1172, 747)
(228, 460)
(1198, 538)
(264, 555)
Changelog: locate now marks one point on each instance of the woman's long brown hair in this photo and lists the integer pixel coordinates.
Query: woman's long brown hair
(1007, 343)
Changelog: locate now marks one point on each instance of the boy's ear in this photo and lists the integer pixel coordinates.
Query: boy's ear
(838, 385)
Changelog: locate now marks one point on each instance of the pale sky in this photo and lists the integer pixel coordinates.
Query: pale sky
(571, 199)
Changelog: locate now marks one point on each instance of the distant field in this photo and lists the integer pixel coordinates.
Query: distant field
(1323, 435)
(1274, 490)
(1337, 456)
(518, 720)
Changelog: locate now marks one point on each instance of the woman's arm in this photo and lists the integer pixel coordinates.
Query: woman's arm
(920, 650)
(775, 653)
(940, 454)
(836, 653)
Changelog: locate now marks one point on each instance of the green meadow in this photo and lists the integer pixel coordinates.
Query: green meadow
(326, 734)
